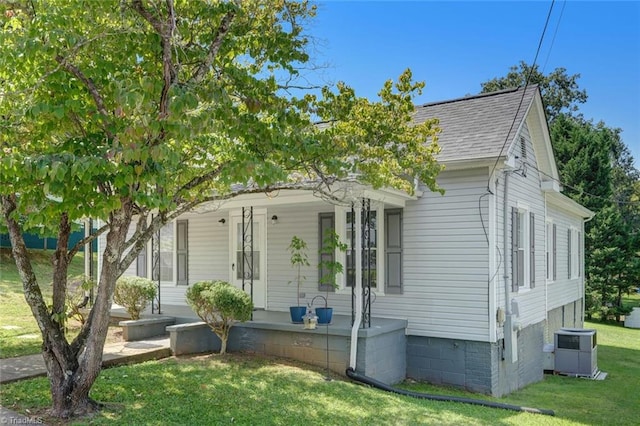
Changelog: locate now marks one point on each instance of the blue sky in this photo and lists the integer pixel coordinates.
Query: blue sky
(454, 46)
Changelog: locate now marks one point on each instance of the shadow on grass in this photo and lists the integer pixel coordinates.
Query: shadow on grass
(246, 389)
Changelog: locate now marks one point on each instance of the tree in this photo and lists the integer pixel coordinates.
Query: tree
(561, 92)
(136, 111)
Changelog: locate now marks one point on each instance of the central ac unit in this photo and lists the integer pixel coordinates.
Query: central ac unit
(576, 352)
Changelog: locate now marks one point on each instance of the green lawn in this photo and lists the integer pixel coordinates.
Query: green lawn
(19, 333)
(247, 390)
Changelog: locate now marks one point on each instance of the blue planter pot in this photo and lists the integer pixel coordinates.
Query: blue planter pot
(297, 312)
(324, 315)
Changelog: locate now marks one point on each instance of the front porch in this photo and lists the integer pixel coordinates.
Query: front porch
(381, 351)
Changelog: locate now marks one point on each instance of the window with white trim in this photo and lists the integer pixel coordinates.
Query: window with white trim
(384, 262)
(523, 248)
(174, 253)
(551, 251)
(370, 256)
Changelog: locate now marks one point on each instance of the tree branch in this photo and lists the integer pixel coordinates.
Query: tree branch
(165, 29)
(214, 47)
(87, 240)
(196, 181)
(30, 286)
(91, 87)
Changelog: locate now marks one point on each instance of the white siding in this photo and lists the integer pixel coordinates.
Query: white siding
(563, 290)
(300, 220)
(524, 192)
(208, 254)
(445, 258)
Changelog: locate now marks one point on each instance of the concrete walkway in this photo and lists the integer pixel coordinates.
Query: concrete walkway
(30, 366)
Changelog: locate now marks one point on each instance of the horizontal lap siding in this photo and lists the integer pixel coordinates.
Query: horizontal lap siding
(524, 190)
(445, 262)
(302, 221)
(208, 254)
(563, 290)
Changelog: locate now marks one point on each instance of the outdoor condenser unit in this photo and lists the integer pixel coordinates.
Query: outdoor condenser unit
(576, 352)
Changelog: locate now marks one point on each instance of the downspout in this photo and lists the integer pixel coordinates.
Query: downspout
(357, 266)
(584, 269)
(508, 324)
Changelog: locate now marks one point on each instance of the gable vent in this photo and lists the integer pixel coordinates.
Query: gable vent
(523, 148)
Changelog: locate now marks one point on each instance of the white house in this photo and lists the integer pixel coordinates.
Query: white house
(481, 276)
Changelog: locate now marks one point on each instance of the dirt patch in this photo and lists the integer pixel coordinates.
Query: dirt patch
(114, 333)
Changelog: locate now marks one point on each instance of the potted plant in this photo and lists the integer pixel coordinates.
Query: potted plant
(299, 258)
(330, 269)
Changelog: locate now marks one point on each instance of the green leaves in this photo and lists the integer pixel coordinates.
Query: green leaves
(89, 130)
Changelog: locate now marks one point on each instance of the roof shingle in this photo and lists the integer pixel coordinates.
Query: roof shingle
(476, 127)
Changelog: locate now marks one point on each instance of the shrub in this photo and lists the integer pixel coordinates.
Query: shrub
(134, 293)
(220, 305)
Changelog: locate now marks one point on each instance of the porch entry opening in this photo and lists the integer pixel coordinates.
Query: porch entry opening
(247, 254)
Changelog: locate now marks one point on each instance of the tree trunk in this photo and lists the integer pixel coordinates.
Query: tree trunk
(70, 388)
(72, 367)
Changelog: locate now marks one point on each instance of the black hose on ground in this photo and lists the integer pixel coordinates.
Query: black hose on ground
(351, 373)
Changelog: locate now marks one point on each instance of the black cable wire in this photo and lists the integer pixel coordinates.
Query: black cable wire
(583, 192)
(564, 3)
(524, 91)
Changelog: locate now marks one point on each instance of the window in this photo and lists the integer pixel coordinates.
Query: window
(523, 249)
(247, 263)
(573, 253)
(141, 263)
(551, 251)
(383, 265)
(174, 258)
(370, 256)
(166, 252)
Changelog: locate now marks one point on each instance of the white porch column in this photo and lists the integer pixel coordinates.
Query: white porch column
(357, 222)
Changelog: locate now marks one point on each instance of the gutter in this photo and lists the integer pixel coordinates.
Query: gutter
(512, 354)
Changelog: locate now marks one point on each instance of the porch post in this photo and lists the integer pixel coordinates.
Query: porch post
(357, 223)
(247, 243)
(366, 248)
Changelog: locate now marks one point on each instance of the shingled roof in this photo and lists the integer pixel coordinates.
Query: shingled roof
(475, 127)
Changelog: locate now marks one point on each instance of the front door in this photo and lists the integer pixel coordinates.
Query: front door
(251, 262)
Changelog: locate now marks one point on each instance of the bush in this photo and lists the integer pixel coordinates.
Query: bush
(134, 293)
(220, 305)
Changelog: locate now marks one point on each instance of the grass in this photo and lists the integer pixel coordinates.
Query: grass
(632, 300)
(19, 333)
(247, 389)
(611, 401)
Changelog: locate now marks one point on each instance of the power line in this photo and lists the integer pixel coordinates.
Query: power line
(581, 191)
(564, 3)
(526, 84)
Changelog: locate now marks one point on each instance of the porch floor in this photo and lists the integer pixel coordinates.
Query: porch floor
(274, 320)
